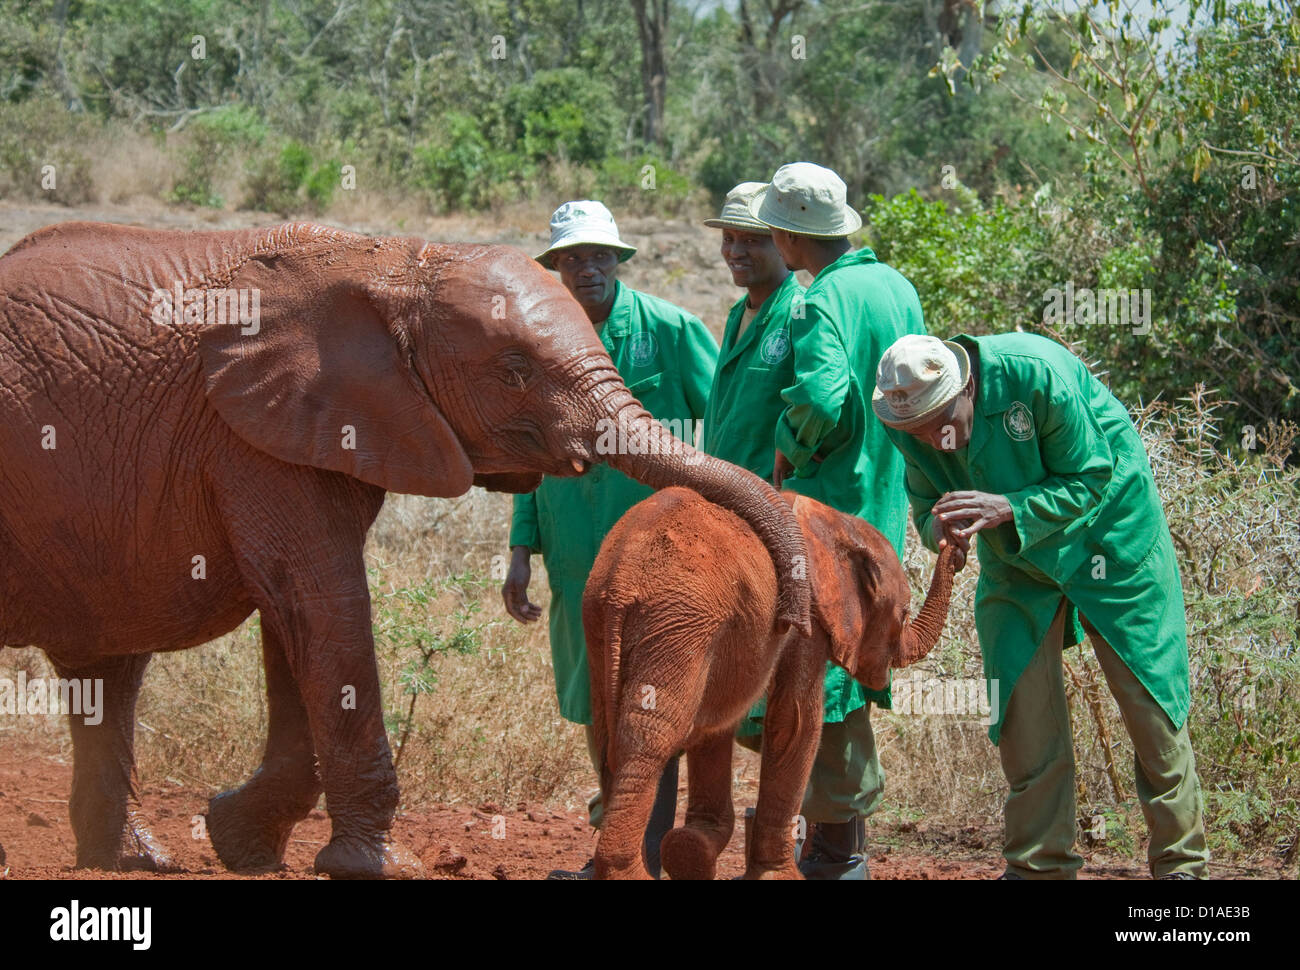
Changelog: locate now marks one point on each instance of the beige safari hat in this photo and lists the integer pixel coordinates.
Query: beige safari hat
(918, 377)
(735, 210)
(584, 223)
(806, 199)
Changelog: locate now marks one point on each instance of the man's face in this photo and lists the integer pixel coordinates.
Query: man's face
(950, 430)
(588, 272)
(751, 256)
(787, 244)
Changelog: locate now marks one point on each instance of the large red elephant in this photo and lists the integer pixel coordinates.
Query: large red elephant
(247, 397)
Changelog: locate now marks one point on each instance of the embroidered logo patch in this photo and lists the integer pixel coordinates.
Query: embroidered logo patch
(642, 348)
(1019, 422)
(775, 346)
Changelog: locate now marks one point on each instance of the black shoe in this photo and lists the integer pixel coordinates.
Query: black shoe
(1010, 876)
(1178, 875)
(586, 872)
(662, 816)
(835, 850)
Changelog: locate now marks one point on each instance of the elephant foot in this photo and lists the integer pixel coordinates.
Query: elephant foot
(349, 857)
(137, 850)
(246, 837)
(689, 853)
(622, 865)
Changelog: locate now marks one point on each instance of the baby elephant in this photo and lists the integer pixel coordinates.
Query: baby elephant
(680, 616)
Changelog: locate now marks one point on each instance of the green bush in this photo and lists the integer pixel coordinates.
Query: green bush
(559, 114)
(463, 169)
(977, 268)
(290, 181)
(644, 184)
(212, 145)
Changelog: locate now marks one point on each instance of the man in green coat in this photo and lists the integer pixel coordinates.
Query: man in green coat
(666, 357)
(821, 441)
(1011, 438)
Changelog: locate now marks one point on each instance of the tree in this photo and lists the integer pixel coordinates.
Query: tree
(652, 26)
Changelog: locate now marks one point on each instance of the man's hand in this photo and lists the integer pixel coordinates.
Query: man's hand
(782, 470)
(515, 589)
(945, 534)
(965, 513)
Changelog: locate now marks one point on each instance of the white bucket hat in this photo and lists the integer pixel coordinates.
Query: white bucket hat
(735, 210)
(918, 377)
(806, 199)
(584, 223)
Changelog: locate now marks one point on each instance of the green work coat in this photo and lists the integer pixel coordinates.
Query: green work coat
(666, 357)
(1087, 522)
(856, 307)
(740, 427)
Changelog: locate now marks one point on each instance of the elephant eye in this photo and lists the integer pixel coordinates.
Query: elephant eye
(515, 369)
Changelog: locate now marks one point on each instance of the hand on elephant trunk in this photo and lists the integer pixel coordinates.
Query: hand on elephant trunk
(782, 468)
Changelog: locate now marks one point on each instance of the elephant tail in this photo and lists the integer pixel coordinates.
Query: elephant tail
(613, 690)
(603, 618)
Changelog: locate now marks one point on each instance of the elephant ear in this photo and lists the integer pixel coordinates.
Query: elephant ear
(321, 380)
(855, 578)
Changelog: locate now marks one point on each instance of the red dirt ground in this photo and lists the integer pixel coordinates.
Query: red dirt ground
(454, 842)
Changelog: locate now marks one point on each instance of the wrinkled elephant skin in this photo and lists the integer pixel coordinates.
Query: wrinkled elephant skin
(198, 425)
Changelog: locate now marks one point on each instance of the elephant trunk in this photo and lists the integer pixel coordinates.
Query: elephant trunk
(640, 447)
(921, 633)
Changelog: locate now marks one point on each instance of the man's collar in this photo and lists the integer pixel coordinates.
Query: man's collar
(619, 321)
(993, 394)
(853, 257)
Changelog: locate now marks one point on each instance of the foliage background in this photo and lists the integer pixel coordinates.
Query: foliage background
(996, 150)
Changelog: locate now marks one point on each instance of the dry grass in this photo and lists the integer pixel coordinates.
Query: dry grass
(489, 729)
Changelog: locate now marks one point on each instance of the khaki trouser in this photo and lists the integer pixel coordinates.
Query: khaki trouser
(846, 780)
(1037, 755)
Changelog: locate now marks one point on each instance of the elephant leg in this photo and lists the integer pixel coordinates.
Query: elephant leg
(249, 826)
(631, 798)
(644, 739)
(299, 550)
(105, 804)
(691, 852)
(791, 731)
(332, 656)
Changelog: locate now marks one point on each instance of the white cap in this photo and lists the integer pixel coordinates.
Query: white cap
(584, 223)
(918, 377)
(735, 210)
(806, 199)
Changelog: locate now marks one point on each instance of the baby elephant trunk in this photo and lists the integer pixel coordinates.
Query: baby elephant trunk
(921, 633)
